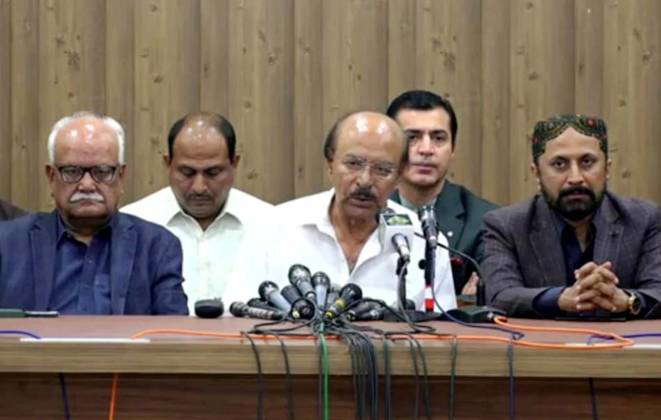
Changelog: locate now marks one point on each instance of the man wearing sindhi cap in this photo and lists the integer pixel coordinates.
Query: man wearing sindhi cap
(575, 249)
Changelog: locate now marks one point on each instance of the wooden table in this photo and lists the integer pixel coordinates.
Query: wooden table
(183, 377)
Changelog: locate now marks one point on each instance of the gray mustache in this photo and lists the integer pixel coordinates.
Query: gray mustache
(86, 196)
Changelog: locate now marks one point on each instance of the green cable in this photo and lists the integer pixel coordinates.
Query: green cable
(324, 360)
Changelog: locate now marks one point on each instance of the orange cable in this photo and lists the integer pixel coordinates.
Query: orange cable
(502, 321)
(182, 331)
(113, 396)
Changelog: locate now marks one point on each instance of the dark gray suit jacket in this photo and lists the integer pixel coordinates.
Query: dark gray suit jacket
(523, 256)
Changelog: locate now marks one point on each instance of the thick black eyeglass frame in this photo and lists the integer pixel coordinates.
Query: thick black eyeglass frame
(96, 172)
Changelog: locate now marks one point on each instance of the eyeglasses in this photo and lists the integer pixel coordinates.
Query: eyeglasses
(380, 170)
(71, 174)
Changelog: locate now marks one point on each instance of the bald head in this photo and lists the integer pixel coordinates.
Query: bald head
(365, 123)
(201, 122)
(365, 155)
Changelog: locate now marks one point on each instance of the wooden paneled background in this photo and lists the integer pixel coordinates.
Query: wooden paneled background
(282, 71)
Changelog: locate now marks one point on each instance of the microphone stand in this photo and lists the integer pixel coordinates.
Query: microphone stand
(401, 283)
(404, 311)
(430, 274)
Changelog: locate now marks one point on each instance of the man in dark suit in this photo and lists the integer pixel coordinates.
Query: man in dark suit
(85, 257)
(576, 249)
(9, 211)
(430, 124)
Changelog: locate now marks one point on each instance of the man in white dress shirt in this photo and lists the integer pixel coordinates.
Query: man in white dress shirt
(211, 219)
(337, 231)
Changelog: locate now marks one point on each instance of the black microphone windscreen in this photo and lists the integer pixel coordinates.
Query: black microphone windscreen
(209, 308)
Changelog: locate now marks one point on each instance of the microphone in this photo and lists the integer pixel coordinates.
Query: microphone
(396, 233)
(360, 309)
(332, 296)
(321, 283)
(302, 308)
(269, 291)
(430, 232)
(20, 313)
(349, 293)
(299, 276)
(428, 222)
(290, 293)
(209, 308)
(241, 310)
(374, 314)
(260, 303)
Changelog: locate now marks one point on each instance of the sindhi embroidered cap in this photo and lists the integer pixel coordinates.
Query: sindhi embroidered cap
(549, 129)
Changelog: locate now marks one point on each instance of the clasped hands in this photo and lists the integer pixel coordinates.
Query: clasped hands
(596, 287)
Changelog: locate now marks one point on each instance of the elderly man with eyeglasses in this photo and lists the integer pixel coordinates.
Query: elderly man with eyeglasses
(85, 257)
(337, 231)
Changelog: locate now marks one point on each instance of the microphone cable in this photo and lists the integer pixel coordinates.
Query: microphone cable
(260, 379)
(267, 328)
(418, 359)
(593, 399)
(421, 389)
(259, 329)
(369, 351)
(21, 332)
(288, 378)
(514, 336)
(323, 401)
(65, 396)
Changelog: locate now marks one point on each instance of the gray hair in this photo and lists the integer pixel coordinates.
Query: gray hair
(109, 121)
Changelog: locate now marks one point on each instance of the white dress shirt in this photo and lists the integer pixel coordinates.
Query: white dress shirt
(304, 235)
(209, 256)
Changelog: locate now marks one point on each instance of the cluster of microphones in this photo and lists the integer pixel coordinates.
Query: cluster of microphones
(306, 297)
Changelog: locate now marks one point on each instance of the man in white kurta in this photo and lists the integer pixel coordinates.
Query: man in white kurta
(337, 231)
(211, 219)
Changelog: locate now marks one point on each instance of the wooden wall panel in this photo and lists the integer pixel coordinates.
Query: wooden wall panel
(120, 73)
(495, 106)
(588, 69)
(71, 67)
(402, 47)
(5, 92)
(354, 46)
(308, 93)
(632, 95)
(214, 46)
(261, 95)
(283, 71)
(167, 80)
(26, 145)
(542, 78)
(449, 46)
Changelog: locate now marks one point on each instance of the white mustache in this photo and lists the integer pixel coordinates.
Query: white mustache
(86, 196)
